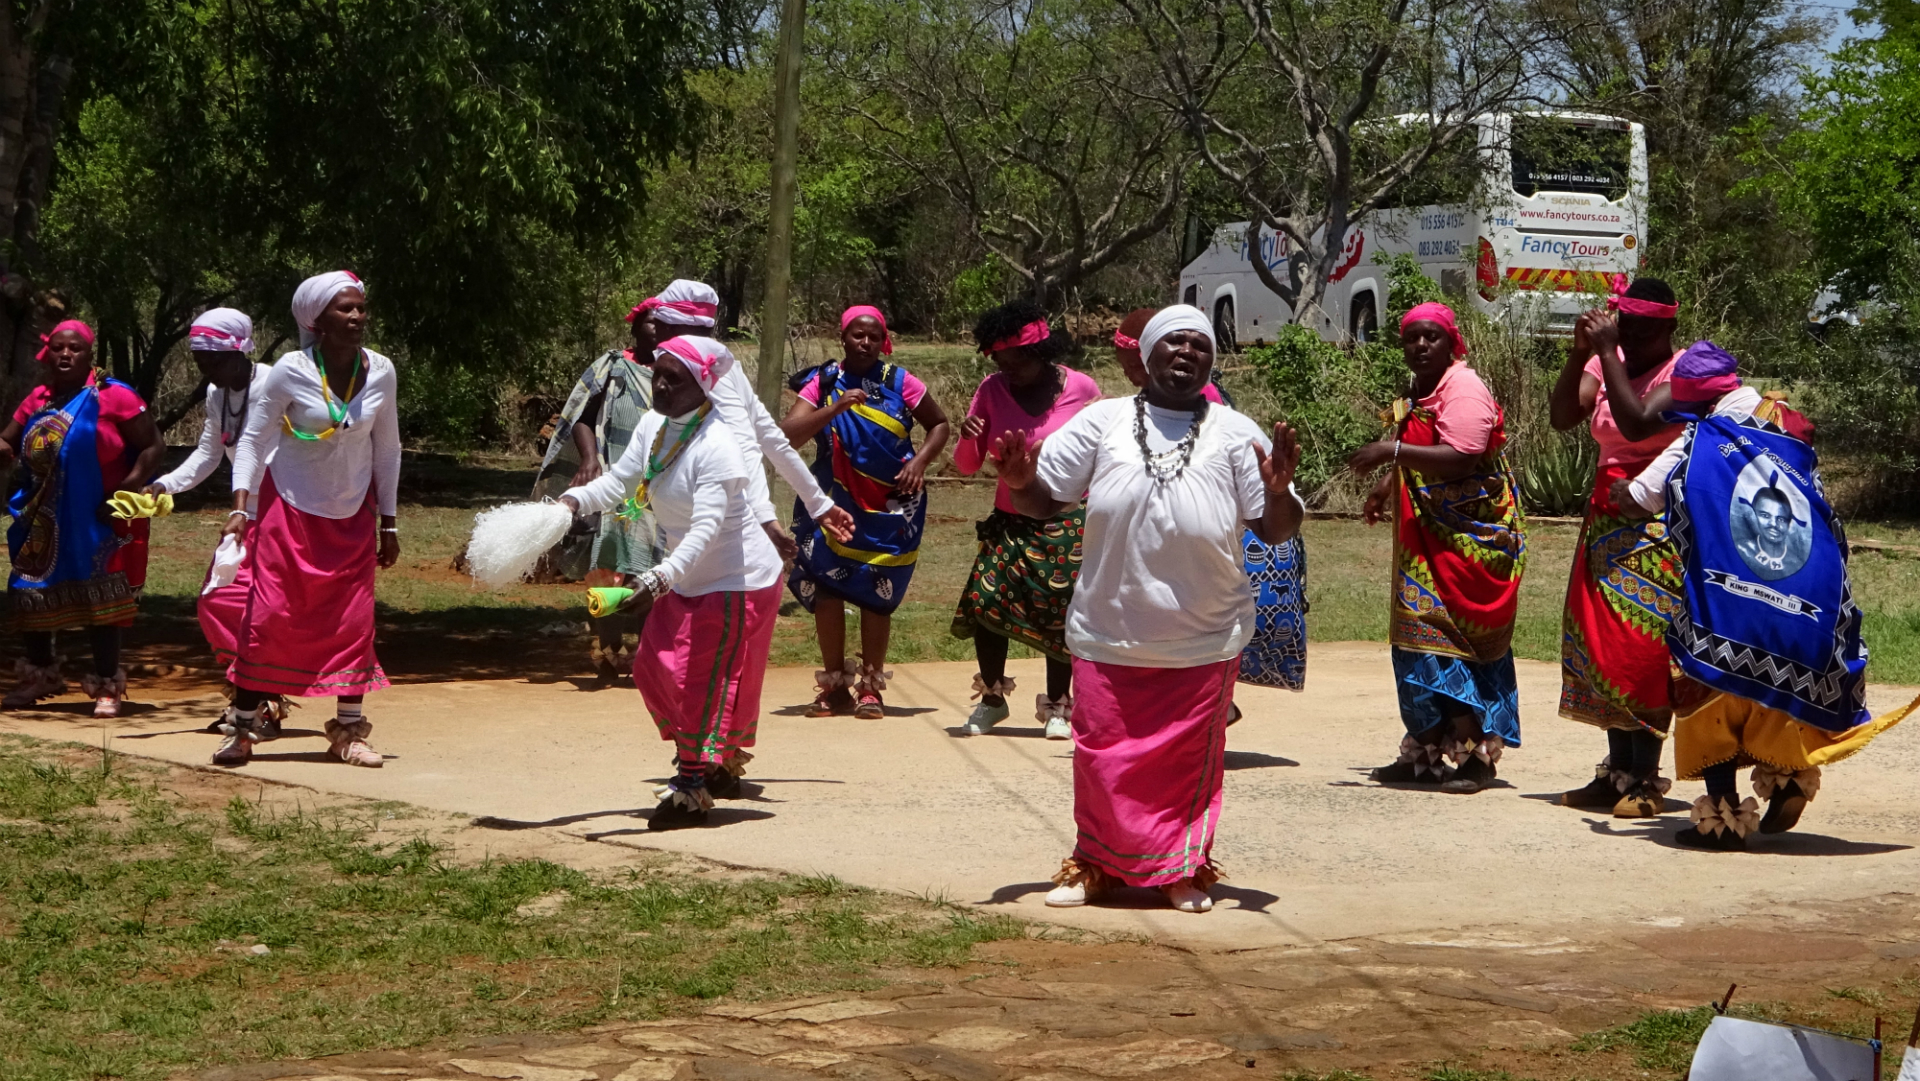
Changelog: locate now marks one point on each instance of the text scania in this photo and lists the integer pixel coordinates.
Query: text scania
(1565, 248)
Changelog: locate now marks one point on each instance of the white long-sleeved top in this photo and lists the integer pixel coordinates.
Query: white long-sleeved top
(714, 544)
(214, 443)
(328, 477)
(757, 434)
(1649, 489)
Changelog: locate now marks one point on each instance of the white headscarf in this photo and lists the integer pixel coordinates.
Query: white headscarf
(315, 294)
(1168, 320)
(687, 303)
(221, 330)
(707, 359)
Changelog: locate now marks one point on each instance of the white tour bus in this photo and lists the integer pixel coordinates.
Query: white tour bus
(1560, 207)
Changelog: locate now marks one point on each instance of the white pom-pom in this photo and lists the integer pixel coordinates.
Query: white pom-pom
(508, 541)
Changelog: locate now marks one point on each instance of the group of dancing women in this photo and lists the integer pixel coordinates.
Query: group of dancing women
(1146, 546)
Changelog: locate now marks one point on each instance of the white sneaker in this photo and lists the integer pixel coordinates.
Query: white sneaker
(1059, 728)
(1184, 898)
(984, 718)
(1067, 896)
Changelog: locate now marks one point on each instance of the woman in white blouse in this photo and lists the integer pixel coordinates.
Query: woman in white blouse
(327, 419)
(1162, 609)
(222, 343)
(703, 652)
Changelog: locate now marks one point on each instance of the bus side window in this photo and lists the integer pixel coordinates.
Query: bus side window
(1191, 296)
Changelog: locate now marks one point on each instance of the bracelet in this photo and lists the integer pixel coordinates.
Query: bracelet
(1396, 452)
(241, 513)
(652, 582)
(393, 529)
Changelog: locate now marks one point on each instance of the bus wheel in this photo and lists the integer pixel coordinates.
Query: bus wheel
(1364, 324)
(1223, 336)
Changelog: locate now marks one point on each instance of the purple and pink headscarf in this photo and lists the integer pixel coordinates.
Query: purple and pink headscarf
(1435, 312)
(1703, 373)
(870, 312)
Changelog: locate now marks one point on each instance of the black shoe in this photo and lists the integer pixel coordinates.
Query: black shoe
(1404, 772)
(670, 815)
(1783, 808)
(1599, 795)
(1473, 775)
(1724, 841)
(721, 783)
(267, 724)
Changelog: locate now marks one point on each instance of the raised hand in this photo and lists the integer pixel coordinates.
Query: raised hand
(1277, 470)
(1018, 457)
(973, 427)
(849, 399)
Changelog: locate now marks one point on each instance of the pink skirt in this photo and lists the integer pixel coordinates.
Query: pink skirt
(699, 668)
(1149, 751)
(222, 610)
(306, 628)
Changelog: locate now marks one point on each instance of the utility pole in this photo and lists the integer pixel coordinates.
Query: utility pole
(786, 154)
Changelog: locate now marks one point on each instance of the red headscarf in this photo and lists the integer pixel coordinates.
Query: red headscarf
(1627, 305)
(1032, 334)
(643, 308)
(1435, 312)
(75, 325)
(870, 312)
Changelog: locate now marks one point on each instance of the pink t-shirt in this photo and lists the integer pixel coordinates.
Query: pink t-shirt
(994, 403)
(1212, 394)
(1464, 412)
(1614, 447)
(117, 403)
(911, 388)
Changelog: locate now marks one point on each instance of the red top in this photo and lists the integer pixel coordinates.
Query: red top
(117, 404)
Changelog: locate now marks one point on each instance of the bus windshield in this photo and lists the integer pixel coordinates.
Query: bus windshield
(1554, 154)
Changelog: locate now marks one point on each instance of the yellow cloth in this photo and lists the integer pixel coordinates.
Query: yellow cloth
(606, 600)
(1728, 728)
(130, 505)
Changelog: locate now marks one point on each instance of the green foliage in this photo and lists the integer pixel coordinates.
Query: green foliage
(1331, 394)
(1407, 287)
(1557, 477)
(1659, 1040)
(472, 172)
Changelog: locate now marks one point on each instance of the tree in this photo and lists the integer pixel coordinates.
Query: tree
(1287, 102)
(1707, 78)
(471, 158)
(1019, 113)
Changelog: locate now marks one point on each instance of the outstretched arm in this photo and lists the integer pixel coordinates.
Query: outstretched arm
(1281, 518)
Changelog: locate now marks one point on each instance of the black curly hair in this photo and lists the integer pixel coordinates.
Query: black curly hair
(999, 324)
(1653, 289)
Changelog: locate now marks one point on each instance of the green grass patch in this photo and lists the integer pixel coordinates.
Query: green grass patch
(1658, 1040)
(128, 929)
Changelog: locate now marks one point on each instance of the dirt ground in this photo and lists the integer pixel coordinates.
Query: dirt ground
(1059, 1007)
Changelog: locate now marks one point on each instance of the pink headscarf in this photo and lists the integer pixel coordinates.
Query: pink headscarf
(873, 313)
(1435, 312)
(643, 308)
(75, 325)
(688, 303)
(1627, 305)
(707, 359)
(1032, 334)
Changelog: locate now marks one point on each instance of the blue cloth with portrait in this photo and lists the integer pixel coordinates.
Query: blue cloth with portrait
(1276, 655)
(1767, 610)
(57, 534)
(857, 460)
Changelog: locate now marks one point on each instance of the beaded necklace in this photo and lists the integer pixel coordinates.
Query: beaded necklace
(336, 409)
(640, 501)
(239, 419)
(1172, 464)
